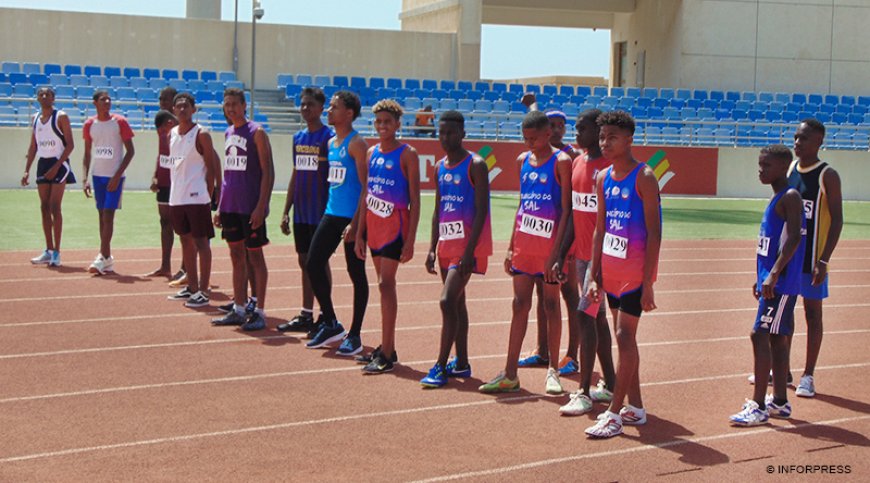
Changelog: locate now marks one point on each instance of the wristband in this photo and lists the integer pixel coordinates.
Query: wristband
(823, 262)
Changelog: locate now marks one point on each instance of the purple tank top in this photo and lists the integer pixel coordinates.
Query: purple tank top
(240, 190)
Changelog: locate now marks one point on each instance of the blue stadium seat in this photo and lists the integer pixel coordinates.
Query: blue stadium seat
(789, 117)
(671, 113)
(677, 103)
(196, 85)
(456, 94)
(421, 93)
(358, 82)
(706, 114)
(385, 93)
(17, 78)
(511, 96)
(710, 104)
(110, 71)
(700, 95)
(609, 102)
(439, 93)
(634, 92)
(10, 67)
(832, 99)
(447, 85)
(683, 94)
(482, 106)
(209, 75)
(100, 81)
(815, 99)
(290, 91)
(377, 82)
(58, 80)
(518, 108)
(78, 80)
(150, 73)
(499, 87)
(30, 68)
(516, 88)
(23, 90)
(169, 74)
(473, 95)
(178, 84)
(739, 114)
(138, 82)
(148, 95)
(732, 96)
(600, 91)
(577, 99)
(617, 92)
(859, 109)
(827, 108)
(465, 105)
(126, 93)
(864, 100)
(482, 86)
(583, 91)
(464, 85)
(686, 113)
(773, 116)
(447, 105)
(72, 69)
(848, 100)
(157, 83)
(119, 81)
(666, 93)
(303, 80)
(693, 103)
(643, 102)
(550, 89)
(411, 84)
(429, 101)
(781, 97)
(492, 95)
(392, 82)
(228, 76)
(567, 90)
(401, 93)
(204, 96)
(544, 100)
(717, 96)
(341, 81)
(765, 96)
(241, 85)
(49, 69)
(283, 79)
(65, 92)
(129, 72)
(188, 74)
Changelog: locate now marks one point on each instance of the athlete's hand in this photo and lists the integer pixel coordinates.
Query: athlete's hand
(647, 298)
(430, 263)
(820, 271)
(86, 187)
(285, 224)
(258, 217)
(52, 172)
(528, 99)
(553, 271)
(767, 286)
(216, 219)
(359, 247)
(508, 262)
(113, 184)
(407, 252)
(25, 180)
(466, 264)
(154, 188)
(592, 292)
(755, 292)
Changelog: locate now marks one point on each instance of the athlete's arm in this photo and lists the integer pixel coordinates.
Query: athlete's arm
(530, 101)
(789, 207)
(508, 259)
(291, 188)
(154, 188)
(267, 180)
(129, 152)
(554, 262)
(357, 149)
(86, 157)
(648, 187)
(360, 243)
(435, 228)
(31, 154)
(63, 124)
(833, 191)
(594, 272)
(480, 179)
(411, 167)
(206, 148)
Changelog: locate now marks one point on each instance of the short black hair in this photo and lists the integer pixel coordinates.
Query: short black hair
(168, 91)
(184, 95)
(536, 120)
(235, 92)
(815, 125)
(453, 116)
(350, 101)
(590, 115)
(316, 93)
(162, 117)
(779, 151)
(620, 119)
(100, 93)
(45, 88)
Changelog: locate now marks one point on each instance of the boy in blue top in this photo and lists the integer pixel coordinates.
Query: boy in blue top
(779, 258)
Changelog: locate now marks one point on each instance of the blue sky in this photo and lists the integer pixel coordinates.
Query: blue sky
(505, 50)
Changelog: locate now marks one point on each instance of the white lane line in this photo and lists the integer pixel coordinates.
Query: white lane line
(399, 412)
(637, 449)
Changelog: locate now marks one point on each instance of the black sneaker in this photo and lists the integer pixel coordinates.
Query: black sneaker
(367, 358)
(226, 308)
(182, 294)
(378, 365)
(329, 332)
(315, 327)
(301, 323)
(232, 318)
(249, 307)
(255, 321)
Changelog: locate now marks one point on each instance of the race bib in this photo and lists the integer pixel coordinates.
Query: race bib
(451, 230)
(763, 245)
(306, 162)
(166, 161)
(615, 246)
(336, 174)
(587, 202)
(104, 152)
(808, 209)
(236, 163)
(536, 226)
(378, 206)
(174, 161)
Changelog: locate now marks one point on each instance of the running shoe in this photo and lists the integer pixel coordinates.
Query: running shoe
(366, 358)
(750, 415)
(255, 321)
(299, 323)
(807, 387)
(437, 377)
(179, 279)
(182, 294)
(578, 403)
(43, 259)
(351, 345)
(329, 332)
(379, 365)
(453, 371)
(553, 386)
(776, 410)
(232, 318)
(500, 383)
(55, 259)
(102, 264)
(608, 425)
(568, 366)
(315, 327)
(533, 361)
(600, 393)
(199, 299)
(250, 307)
(789, 380)
(632, 416)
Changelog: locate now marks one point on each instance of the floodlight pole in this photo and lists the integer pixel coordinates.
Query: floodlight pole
(236, 41)
(256, 10)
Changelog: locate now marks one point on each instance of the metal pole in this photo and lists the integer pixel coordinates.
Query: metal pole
(253, 52)
(236, 41)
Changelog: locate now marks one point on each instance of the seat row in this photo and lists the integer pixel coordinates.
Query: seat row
(29, 68)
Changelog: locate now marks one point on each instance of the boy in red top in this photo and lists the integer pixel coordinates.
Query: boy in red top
(462, 234)
(540, 225)
(109, 143)
(389, 227)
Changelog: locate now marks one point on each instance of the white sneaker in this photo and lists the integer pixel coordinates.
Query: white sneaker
(806, 388)
(608, 425)
(775, 410)
(578, 403)
(42, 259)
(750, 415)
(632, 416)
(102, 265)
(600, 393)
(553, 385)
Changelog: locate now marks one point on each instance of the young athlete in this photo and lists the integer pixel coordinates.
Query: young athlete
(195, 174)
(625, 251)
(52, 141)
(461, 242)
(244, 205)
(109, 143)
(540, 225)
(164, 121)
(306, 195)
(819, 186)
(594, 332)
(779, 255)
(389, 226)
(348, 172)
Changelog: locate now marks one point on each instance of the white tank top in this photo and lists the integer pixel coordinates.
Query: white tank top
(188, 172)
(49, 138)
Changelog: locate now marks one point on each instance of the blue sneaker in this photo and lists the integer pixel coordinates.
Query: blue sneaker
(251, 306)
(351, 345)
(533, 360)
(453, 372)
(255, 322)
(436, 377)
(329, 332)
(568, 366)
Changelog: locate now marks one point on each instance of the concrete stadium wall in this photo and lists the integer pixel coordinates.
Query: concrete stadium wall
(125, 40)
(735, 168)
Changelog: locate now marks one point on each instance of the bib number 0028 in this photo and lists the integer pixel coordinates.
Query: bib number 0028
(379, 207)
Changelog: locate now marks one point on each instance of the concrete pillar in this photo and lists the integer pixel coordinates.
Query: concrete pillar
(206, 9)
